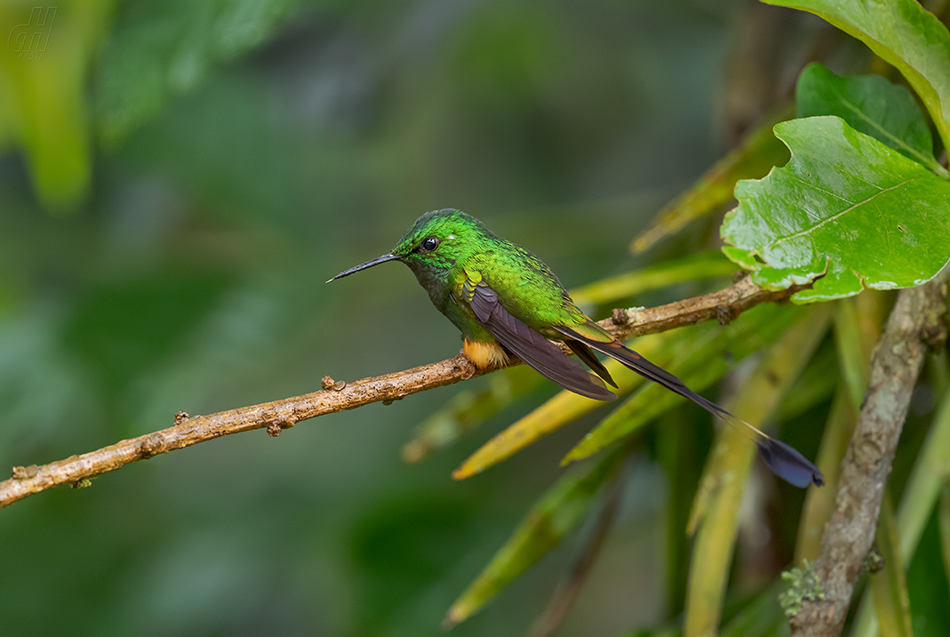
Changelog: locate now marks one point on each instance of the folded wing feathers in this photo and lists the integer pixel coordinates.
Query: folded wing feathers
(645, 368)
(532, 347)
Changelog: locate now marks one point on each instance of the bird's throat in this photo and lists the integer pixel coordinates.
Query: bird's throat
(484, 354)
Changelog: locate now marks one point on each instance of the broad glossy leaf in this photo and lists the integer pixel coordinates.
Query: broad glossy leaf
(905, 35)
(759, 152)
(871, 105)
(847, 207)
(548, 521)
(162, 48)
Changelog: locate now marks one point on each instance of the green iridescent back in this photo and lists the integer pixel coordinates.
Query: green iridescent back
(525, 286)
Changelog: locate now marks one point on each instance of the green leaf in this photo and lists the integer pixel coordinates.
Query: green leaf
(815, 385)
(554, 516)
(762, 617)
(930, 472)
(905, 35)
(890, 584)
(927, 584)
(163, 48)
(757, 154)
(820, 502)
(847, 207)
(852, 357)
(871, 105)
(943, 516)
(659, 632)
(681, 447)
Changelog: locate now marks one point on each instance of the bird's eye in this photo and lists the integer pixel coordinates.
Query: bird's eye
(429, 244)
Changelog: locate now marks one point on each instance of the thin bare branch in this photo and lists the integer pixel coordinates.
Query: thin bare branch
(915, 322)
(723, 305)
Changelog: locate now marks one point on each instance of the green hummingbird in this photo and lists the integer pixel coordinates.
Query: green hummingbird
(506, 301)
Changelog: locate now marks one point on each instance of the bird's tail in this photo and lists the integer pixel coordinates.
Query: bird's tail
(784, 461)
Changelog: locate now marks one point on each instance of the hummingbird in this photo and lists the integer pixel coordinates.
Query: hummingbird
(506, 301)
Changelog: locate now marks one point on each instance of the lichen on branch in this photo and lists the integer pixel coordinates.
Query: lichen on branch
(916, 323)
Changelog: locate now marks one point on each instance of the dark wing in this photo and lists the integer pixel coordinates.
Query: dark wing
(535, 350)
(585, 354)
(616, 350)
(783, 460)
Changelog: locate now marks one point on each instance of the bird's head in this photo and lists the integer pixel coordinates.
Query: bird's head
(434, 244)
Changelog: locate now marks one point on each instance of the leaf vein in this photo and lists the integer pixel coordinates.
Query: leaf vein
(824, 222)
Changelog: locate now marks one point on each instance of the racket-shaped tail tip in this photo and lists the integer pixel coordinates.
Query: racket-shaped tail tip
(789, 464)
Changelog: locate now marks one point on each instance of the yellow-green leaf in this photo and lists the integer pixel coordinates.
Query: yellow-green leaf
(469, 409)
(565, 407)
(704, 365)
(716, 507)
(704, 265)
(758, 153)
(890, 585)
(547, 523)
(820, 502)
(44, 78)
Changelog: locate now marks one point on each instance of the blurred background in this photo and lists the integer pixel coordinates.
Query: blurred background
(177, 181)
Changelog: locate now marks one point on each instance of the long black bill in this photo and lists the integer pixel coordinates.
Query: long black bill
(363, 266)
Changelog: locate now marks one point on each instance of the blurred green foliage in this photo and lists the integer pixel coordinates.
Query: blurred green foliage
(178, 179)
(209, 166)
